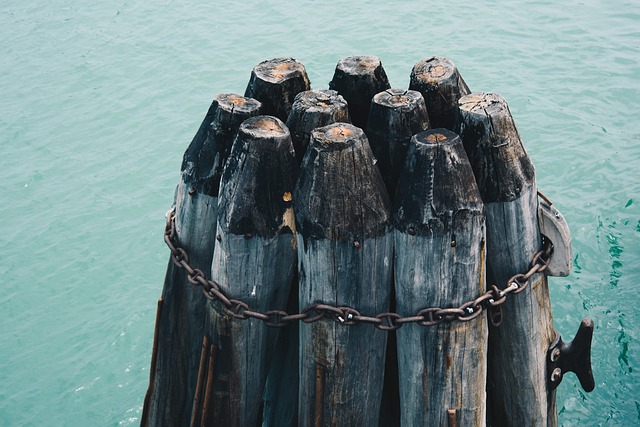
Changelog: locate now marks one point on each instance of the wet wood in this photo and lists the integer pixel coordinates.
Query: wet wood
(181, 322)
(358, 79)
(313, 109)
(439, 262)
(517, 390)
(253, 262)
(345, 248)
(395, 116)
(275, 83)
(441, 85)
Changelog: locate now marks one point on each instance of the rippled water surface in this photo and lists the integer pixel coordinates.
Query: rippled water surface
(100, 101)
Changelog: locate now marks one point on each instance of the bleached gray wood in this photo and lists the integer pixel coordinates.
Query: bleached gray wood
(253, 262)
(441, 85)
(439, 262)
(345, 248)
(395, 116)
(517, 383)
(275, 83)
(313, 109)
(181, 321)
(358, 79)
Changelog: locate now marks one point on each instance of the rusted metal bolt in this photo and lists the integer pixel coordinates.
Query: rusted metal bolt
(555, 354)
(453, 243)
(192, 191)
(248, 235)
(218, 238)
(356, 244)
(411, 231)
(556, 375)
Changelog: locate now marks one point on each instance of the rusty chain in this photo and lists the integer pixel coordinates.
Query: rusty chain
(491, 300)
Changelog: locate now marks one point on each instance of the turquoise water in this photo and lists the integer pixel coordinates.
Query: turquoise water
(100, 101)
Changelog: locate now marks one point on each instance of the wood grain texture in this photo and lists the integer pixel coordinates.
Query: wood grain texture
(340, 200)
(441, 85)
(517, 383)
(313, 109)
(275, 83)
(358, 79)
(181, 322)
(439, 262)
(253, 262)
(395, 116)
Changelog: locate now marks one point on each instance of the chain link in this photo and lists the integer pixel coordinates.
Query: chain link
(491, 300)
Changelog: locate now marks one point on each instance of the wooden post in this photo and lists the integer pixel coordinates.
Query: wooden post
(517, 388)
(313, 109)
(439, 262)
(345, 248)
(275, 83)
(358, 79)
(395, 116)
(181, 321)
(439, 81)
(253, 262)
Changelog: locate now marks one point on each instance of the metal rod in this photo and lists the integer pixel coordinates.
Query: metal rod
(319, 404)
(451, 416)
(209, 389)
(197, 399)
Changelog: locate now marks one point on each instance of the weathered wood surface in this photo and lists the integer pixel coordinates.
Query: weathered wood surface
(395, 116)
(345, 248)
(439, 262)
(181, 320)
(275, 83)
(441, 85)
(253, 261)
(517, 383)
(358, 79)
(313, 109)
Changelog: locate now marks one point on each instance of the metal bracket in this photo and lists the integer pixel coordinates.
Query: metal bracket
(554, 227)
(574, 356)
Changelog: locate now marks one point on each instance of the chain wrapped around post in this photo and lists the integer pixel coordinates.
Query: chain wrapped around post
(348, 316)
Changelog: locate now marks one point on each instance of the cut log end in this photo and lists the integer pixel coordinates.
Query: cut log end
(398, 98)
(264, 127)
(231, 102)
(436, 137)
(321, 101)
(359, 65)
(434, 70)
(483, 103)
(337, 135)
(279, 70)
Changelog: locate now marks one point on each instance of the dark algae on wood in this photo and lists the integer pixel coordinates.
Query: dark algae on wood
(358, 79)
(275, 83)
(441, 85)
(180, 324)
(395, 116)
(345, 248)
(517, 380)
(439, 262)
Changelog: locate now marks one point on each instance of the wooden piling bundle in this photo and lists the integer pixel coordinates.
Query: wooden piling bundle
(395, 116)
(506, 180)
(319, 302)
(358, 79)
(439, 262)
(253, 262)
(345, 249)
(441, 85)
(180, 325)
